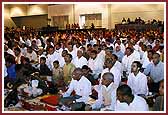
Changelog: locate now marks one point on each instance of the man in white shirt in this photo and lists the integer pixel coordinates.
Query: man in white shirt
(51, 57)
(137, 80)
(109, 64)
(148, 60)
(31, 55)
(82, 87)
(95, 63)
(9, 50)
(58, 48)
(126, 101)
(71, 50)
(118, 43)
(79, 61)
(129, 58)
(106, 94)
(117, 64)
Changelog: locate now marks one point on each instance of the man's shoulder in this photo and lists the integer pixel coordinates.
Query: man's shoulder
(139, 99)
(85, 80)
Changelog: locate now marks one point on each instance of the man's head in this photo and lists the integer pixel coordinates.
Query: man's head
(77, 74)
(29, 49)
(118, 48)
(57, 46)
(79, 53)
(136, 66)
(108, 63)
(64, 52)
(156, 58)
(150, 54)
(114, 58)
(93, 54)
(129, 51)
(56, 64)
(68, 58)
(109, 51)
(123, 93)
(85, 70)
(42, 60)
(118, 41)
(107, 79)
(70, 47)
(17, 51)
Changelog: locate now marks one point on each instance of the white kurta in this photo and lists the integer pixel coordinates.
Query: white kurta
(81, 87)
(96, 65)
(51, 58)
(105, 93)
(128, 60)
(138, 83)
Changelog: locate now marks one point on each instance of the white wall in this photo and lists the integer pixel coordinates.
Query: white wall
(61, 10)
(92, 9)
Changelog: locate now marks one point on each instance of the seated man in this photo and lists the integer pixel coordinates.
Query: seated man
(106, 94)
(137, 80)
(129, 102)
(155, 71)
(82, 88)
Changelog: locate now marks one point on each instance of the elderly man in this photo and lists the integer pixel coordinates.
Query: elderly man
(106, 94)
(82, 88)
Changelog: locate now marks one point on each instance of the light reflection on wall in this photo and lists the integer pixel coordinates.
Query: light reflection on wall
(35, 10)
(17, 11)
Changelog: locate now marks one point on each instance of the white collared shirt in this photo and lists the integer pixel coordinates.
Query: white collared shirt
(138, 83)
(79, 62)
(81, 87)
(115, 72)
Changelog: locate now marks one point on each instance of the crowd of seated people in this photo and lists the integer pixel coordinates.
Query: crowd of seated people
(141, 21)
(121, 66)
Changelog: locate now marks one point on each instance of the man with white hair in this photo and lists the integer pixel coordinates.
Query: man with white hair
(79, 61)
(106, 94)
